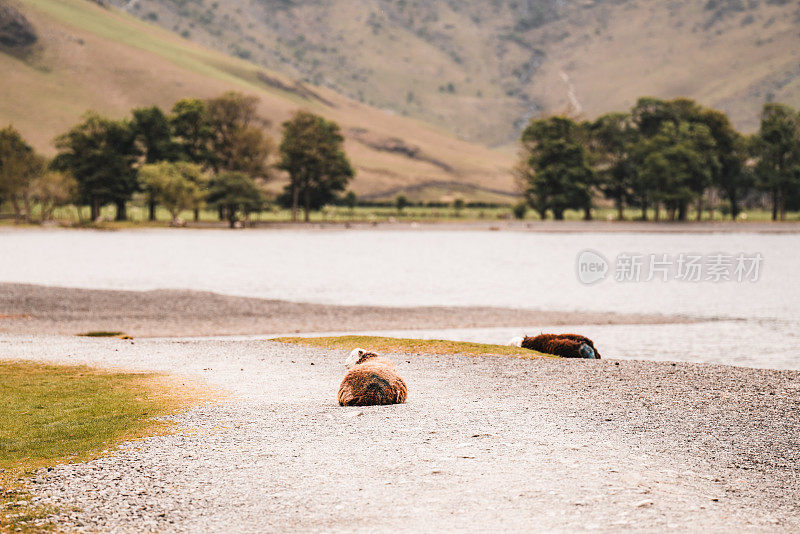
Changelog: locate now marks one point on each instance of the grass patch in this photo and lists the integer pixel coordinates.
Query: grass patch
(414, 346)
(52, 414)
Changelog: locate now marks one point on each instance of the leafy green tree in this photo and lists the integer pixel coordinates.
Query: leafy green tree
(559, 176)
(312, 153)
(176, 186)
(101, 154)
(235, 193)
(401, 203)
(238, 140)
(778, 150)
(54, 189)
(192, 131)
(677, 164)
(19, 166)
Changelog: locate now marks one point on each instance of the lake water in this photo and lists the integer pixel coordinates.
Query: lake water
(462, 268)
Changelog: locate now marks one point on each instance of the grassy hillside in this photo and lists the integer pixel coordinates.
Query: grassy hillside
(481, 68)
(90, 57)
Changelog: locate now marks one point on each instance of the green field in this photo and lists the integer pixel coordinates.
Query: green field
(138, 215)
(52, 414)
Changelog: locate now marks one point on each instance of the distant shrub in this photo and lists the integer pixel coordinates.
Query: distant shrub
(520, 209)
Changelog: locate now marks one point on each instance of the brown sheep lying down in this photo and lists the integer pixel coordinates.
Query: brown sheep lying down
(564, 345)
(371, 380)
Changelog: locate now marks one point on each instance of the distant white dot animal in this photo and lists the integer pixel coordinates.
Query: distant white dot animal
(371, 380)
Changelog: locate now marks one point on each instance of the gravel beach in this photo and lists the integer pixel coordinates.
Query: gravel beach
(483, 444)
(29, 309)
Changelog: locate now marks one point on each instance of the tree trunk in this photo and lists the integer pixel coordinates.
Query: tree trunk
(16, 208)
(196, 215)
(558, 214)
(151, 206)
(122, 213)
(734, 204)
(307, 205)
(620, 210)
(644, 210)
(774, 203)
(221, 212)
(295, 201)
(700, 209)
(587, 213)
(27, 208)
(782, 203)
(231, 216)
(95, 209)
(682, 211)
(542, 214)
(657, 213)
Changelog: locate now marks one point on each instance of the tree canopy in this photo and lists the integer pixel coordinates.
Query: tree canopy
(101, 154)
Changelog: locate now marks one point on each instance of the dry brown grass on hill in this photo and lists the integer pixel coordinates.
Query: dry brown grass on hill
(94, 58)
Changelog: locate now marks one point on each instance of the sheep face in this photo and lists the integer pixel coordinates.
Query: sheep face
(355, 355)
(515, 341)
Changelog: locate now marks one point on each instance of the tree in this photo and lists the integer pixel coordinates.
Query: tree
(520, 209)
(235, 192)
(154, 137)
(192, 131)
(677, 165)
(731, 176)
(612, 138)
(311, 152)
(778, 149)
(351, 200)
(19, 166)
(176, 186)
(54, 189)
(458, 206)
(401, 202)
(558, 175)
(101, 154)
(238, 141)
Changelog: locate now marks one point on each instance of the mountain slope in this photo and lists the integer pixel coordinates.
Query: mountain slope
(481, 68)
(90, 57)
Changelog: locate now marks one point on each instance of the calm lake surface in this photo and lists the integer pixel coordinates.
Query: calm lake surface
(761, 325)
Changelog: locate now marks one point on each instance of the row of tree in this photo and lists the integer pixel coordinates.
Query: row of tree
(214, 151)
(665, 154)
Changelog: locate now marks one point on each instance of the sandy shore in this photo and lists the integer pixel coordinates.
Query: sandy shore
(169, 313)
(487, 444)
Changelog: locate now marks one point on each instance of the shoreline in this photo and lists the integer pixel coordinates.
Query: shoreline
(36, 309)
(549, 226)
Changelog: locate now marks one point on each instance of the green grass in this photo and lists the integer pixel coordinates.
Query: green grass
(138, 213)
(53, 414)
(414, 346)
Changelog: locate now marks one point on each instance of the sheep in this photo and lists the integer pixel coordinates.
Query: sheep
(371, 380)
(564, 345)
